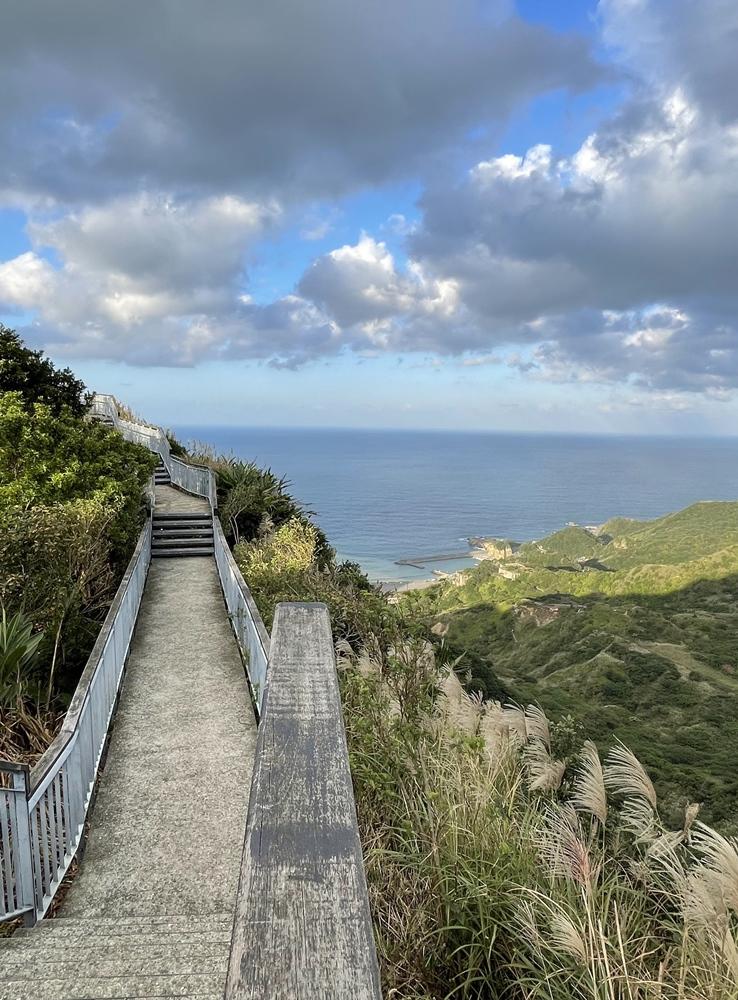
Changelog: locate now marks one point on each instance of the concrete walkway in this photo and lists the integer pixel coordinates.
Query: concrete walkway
(150, 911)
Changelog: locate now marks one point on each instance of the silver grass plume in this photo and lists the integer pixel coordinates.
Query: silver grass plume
(720, 859)
(527, 924)
(702, 902)
(730, 953)
(513, 718)
(690, 815)
(637, 816)
(562, 848)
(544, 773)
(625, 775)
(537, 725)
(567, 937)
(589, 793)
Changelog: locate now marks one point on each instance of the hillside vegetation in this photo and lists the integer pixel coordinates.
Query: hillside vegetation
(71, 508)
(505, 857)
(630, 628)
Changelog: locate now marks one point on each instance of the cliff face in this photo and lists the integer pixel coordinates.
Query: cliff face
(496, 548)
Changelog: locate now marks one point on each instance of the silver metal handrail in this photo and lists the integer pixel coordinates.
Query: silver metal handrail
(247, 624)
(197, 479)
(246, 621)
(42, 811)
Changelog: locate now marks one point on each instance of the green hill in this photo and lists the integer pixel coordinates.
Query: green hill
(631, 629)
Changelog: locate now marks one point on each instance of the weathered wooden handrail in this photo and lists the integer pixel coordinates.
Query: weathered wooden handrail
(42, 814)
(303, 928)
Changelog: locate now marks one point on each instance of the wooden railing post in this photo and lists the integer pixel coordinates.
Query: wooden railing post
(303, 927)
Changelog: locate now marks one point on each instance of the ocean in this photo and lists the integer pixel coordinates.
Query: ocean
(384, 495)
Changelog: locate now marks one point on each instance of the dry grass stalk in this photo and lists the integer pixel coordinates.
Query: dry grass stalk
(625, 775)
(589, 793)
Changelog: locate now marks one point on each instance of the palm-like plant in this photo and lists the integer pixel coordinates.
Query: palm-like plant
(18, 648)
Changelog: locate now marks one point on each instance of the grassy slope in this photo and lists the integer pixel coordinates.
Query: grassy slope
(647, 653)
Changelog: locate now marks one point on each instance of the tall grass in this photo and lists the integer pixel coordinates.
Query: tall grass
(498, 870)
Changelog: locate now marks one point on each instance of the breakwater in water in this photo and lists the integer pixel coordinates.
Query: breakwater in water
(420, 562)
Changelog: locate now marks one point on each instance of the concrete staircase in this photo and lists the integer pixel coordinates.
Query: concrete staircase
(177, 530)
(161, 476)
(180, 534)
(117, 959)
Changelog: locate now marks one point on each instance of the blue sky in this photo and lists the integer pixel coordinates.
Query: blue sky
(491, 216)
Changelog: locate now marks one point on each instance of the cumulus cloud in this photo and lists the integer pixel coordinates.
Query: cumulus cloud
(151, 280)
(612, 264)
(274, 99)
(670, 43)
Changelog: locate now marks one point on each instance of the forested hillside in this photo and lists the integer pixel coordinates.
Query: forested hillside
(631, 628)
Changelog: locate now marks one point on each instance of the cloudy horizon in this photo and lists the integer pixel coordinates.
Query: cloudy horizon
(458, 213)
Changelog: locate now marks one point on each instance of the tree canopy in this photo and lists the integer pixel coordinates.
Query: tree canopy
(37, 379)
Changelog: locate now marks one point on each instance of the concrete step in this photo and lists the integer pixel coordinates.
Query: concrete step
(200, 923)
(183, 533)
(173, 553)
(112, 959)
(193, 541)
(205, 525)
(22, 955)
(131, 961)
(115, 988)
(185, 518)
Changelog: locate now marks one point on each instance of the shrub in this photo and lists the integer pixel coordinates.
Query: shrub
(50, 459)
(55, 562)
(18, 648)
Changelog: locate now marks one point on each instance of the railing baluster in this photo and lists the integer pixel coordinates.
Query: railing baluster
(6, 843)
(41, 829)
(36, 854)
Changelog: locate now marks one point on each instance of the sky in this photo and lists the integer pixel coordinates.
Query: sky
(462, 214)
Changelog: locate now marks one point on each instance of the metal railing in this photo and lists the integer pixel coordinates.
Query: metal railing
(246, 621)
(197, 479)
(42, 811)
(249, 629)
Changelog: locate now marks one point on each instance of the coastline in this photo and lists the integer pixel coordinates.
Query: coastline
(403, 586)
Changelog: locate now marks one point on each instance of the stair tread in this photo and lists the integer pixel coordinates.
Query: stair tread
(202, 921)
(163, 553)
(182, 516)
(182, 543)
(164, 530)
(165, 539)
(115, 987)
(115, 962)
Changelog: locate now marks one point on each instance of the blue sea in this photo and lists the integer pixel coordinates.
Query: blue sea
(387, 495)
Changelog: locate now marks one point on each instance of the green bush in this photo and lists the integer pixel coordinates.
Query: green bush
(18, 649)
(48, 458)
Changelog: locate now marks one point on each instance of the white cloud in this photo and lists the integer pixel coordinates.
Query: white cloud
(149, 279)
(25, 281)
(613, 264)
(284, 99)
